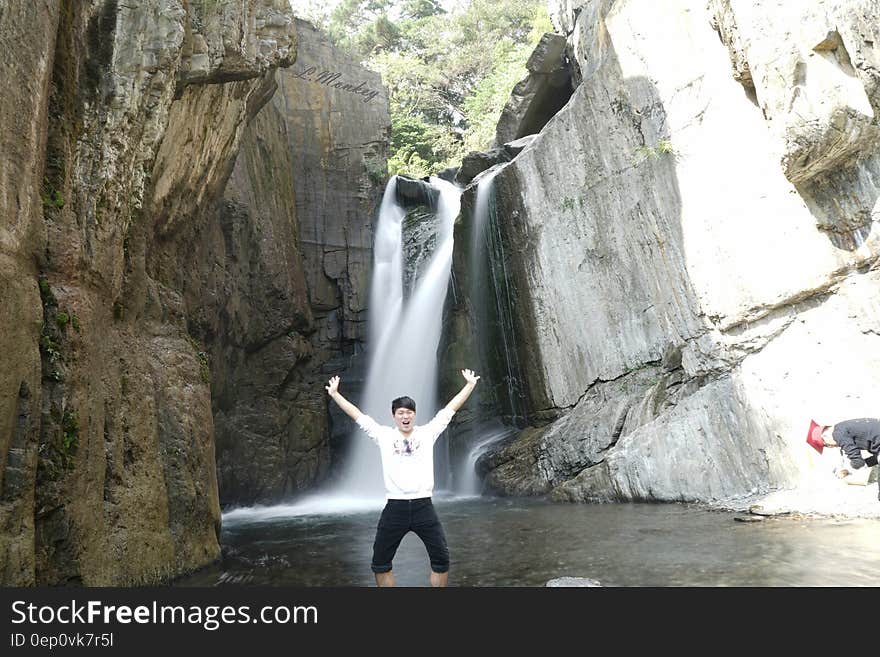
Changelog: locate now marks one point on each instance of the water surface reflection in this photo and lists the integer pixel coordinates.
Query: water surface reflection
(525, 542)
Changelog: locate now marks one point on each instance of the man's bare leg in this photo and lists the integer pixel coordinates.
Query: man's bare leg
(439, 579)
(385, 579)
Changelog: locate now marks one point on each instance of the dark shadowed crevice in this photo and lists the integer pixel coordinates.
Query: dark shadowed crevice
(724, 23)
(539, 96)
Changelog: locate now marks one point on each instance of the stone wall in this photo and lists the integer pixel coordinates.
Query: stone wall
(692, 241)
(281, 287)
(29, 31)
(131, 116)
(338, 127)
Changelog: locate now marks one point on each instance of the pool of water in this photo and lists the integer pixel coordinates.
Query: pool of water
(526, 542)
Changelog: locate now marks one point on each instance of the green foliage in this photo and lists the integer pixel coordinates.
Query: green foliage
(377, 171)
(204, 367)
(70, 431)
(362, 26)
(118, 311)
(49, 343)
(664, 147)
(52, 333)
(381, 34)
(421, 8)
(483, 107)
(52, 198)
(414, 146)
(50, 348)
(46, 295)
(203, 358)
(59, 444)
(207, 6)
(661, 148)
(449, 74)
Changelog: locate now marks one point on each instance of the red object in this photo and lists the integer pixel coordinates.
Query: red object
(814, 436)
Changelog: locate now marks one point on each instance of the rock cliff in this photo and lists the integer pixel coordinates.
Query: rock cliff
(127, 126)
(185, 247)
(691, 243)
(296, 235)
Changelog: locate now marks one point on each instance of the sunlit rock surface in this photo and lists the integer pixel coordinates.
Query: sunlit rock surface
(125, 122)
(692, 241)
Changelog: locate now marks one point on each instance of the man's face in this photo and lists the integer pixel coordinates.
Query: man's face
(828, 437)
(405, 420)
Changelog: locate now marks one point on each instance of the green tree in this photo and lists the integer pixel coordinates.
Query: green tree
(415, 9)
(351, 24)
(448, 74)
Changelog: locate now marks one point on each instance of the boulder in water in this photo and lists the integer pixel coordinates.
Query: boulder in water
(748, 518)
(412, 192)
(573, 582)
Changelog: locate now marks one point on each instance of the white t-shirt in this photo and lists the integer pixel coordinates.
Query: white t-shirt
(407, 461)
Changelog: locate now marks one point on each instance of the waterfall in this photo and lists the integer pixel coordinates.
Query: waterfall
(469, 484)
(490, 296)
(491, 309)
(404, 331)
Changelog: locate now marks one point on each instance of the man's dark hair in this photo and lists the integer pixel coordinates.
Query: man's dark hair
(403, 402)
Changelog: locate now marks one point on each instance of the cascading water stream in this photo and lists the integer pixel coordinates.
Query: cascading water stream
(405, 333)
(404, 337)
(469, 484)
(487, 254)
(491, 307)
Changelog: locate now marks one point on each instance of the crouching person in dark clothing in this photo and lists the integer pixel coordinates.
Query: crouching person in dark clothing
(852, 436)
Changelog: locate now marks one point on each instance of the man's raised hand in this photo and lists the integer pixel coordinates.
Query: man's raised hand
(469, 376)
(333, 385)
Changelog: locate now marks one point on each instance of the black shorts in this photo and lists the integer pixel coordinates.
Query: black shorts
(399, 518)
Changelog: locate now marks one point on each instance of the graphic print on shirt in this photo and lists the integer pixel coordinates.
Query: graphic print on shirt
(406, 447)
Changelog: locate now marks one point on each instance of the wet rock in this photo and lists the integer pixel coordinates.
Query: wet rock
(475, 162)
(412, 193)
(585, 582)
(748, 518)
(448, 174)
(540, 95)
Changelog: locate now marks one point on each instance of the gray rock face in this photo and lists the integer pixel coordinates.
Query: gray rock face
(420, 228)
(293, 236)
(540, 95)
(678, 331)
(412, 193)
(338, 126)
(564, 13)
(108, 465)
(817, 83)
(476, 162)
(252, 315)
(28, 30)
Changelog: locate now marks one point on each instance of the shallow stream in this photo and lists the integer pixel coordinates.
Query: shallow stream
(526, 542)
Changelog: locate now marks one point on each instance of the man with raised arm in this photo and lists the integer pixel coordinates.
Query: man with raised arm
(408, 469)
